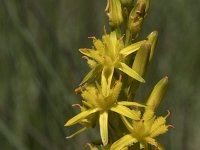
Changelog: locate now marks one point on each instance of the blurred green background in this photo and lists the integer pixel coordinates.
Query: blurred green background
(40, 66)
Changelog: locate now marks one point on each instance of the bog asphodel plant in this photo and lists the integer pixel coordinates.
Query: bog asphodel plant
(118, 63)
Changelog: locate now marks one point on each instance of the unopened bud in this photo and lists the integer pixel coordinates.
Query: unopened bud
(142, 58)
(152, 38)
(137, 15)
(114, 13)
(157, 94)
(126, 2)
(140, 64)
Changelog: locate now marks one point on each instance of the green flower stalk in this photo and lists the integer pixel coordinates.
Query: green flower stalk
(118, 65)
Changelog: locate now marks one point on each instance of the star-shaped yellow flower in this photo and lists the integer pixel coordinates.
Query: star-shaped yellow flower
(97, 102)
(109, 54)
(143, 131)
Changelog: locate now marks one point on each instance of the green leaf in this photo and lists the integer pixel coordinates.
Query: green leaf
(103, 123)
(81, 116)
(106, 78)
(126, 103)
(125, 141)
(122, 110)
(78, 132)
(91, 74)
(126, 69)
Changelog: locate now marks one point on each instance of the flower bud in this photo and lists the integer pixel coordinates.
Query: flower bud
(157, 94)
(137, 15)
(140, 65)
(126, 2)
(152, 38)
(114, 13)
(141, 59)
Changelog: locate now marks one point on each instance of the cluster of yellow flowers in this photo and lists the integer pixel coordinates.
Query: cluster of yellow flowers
(118, 65)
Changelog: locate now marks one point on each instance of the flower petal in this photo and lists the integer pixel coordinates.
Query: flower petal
(126, 103)
(126, 69)
(125, 141)
(77, 132)
(91, 74)
(106, 78)
(94, 54)
(148, 114)
(160, 147)
(86, 52)
(127, 124)
(151, 141)
(81, 116)
(122, 110)
(157, 123)
(161, 130)
(103, 123)
(131, 48)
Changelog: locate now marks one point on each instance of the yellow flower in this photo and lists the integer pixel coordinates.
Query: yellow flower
(107, 55)
(143, 131)
(96, 102)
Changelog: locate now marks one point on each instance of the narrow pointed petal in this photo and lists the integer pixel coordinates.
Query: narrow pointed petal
(92, 54)
(161, 130)
(122, 110)
(106, 78)
(151, 141)
(77, 132)
(125, 141)
(116, 89)
(80, 116)
(126, 69)
(127, 124)
(126, 103)
(91, 74)
(148, 114)
(131, 48)
(160, 146)
(103, 123)
(157, 123)
(86, 52)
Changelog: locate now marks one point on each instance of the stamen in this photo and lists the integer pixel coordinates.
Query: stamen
(122, 37)
(171, 126)
(92, 37)
(85, 57)
(168, 114)
(88, 145)
(76, 105)
(78, 90)
(104, 29)
(85, 49)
